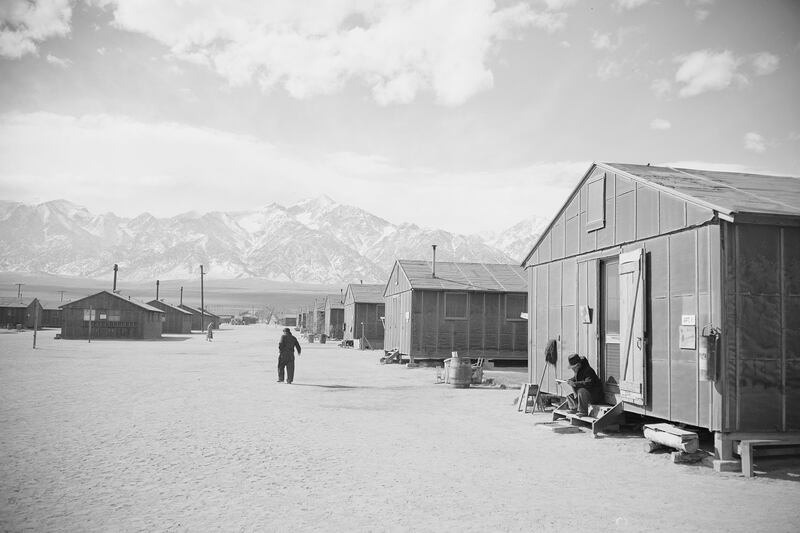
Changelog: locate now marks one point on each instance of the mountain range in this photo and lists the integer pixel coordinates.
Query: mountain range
(314, 241)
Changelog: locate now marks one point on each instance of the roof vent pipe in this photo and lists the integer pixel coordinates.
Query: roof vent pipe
(114, 289)
(181, 296)
(157, 284)
(433, 267)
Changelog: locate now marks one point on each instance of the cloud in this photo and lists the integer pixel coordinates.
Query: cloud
(115, 163)
(701, 15)
(704, 71)
(661, 87)
(608, 69)
(622, 5)
(601, 41)
(54, 60)
(24, 24)
(755, 142)
(398, 49)
(660, 124)
(765, 63)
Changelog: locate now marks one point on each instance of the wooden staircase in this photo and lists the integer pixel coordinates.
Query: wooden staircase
(601, 417)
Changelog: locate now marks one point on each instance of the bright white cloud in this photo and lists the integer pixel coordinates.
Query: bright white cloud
(609, 69)
(397, 48)
(660, 124)
(629, 4)
(755, 142)
(110, 163)
(24, 24)
(765, 63)
(55, 60)
(705, 70)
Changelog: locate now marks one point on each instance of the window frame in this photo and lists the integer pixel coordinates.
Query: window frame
(598, 222)
(466, 305)
(516, 318)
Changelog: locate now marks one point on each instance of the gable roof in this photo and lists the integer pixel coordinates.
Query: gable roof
(727, 193)
(16, 302)
(161, 304)
(489, 277)
(730, 193)
(370, 293)
(196, 310)
(135, 303)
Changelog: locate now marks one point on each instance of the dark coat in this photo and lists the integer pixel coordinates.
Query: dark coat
(586, 378)
(288, 345)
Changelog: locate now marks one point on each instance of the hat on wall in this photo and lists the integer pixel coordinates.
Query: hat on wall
(574, 359)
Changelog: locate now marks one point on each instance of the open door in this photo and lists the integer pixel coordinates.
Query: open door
(633, 364)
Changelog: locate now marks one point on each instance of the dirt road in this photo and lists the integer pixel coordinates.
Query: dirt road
(189, 435)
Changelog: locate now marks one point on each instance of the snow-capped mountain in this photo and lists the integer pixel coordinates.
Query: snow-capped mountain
(313, 241)
(518, 240)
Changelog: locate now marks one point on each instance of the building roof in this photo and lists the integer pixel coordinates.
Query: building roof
(465, 276)
(162, 304)
(16, 302)
(729, 193)
(197, 311)
(129, 300)
(367, 293)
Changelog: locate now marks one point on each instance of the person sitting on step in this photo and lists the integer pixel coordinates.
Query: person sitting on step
(587, 386)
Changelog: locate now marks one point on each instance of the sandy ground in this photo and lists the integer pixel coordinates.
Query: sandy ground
(187, 435)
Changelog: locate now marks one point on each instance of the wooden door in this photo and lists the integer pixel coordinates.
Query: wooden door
(609, 366)
(632, 321)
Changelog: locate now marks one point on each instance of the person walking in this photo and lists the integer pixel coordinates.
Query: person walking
(286, 348)
(210, 333)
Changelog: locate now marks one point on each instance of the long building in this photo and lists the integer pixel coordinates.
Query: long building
(106, 315)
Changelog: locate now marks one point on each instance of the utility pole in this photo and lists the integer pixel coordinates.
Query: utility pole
(62, 295)
(19, 290)
(157, 284)
(202, 303)
(35, 323)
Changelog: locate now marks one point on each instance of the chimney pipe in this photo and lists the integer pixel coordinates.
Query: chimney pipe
(114, 290)
(181, 296)
(157, 284)
(433, 269)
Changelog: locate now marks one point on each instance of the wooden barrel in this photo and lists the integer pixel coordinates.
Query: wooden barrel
(460, 374)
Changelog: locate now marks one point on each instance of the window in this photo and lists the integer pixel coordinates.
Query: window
(455, 305)
(596, 202)
(89, 314)
(516, 304)
(114, 315)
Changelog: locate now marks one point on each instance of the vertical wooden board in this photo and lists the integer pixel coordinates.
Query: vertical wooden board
(583, 302)
(658, 267)
(593, 297)
(531, 273)
(679, 306)
(671, 213)
(492, 303)
(759, 327)
(646, 212)
(428, 325)
(658, 325)
(760, 395)
(625, 218)
(624, 185)
(682, 263)
(554, 332)
(791, 261)
(476, 322)
(793, 394)
(703, 260)
(557, 238)
(758, 259)
(605, 235)
(683, 391)
(572, 236)
(659, 389)
(704, 387)
(554, 284)
(569, 281)
(461, 336)
(573, 208)
(544, 249)
(791, 313)
(588, 238)
(569, 332)
(696, 215)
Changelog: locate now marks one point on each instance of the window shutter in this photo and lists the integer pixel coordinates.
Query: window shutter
(631, 322)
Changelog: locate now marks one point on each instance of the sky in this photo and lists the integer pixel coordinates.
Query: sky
(465, 115)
